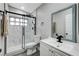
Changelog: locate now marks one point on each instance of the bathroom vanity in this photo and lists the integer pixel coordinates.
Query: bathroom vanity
(50, 47)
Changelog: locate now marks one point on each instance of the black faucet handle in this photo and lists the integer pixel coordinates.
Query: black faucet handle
(0, 50)
(59, 38)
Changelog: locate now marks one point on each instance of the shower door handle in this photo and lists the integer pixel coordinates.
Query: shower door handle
(23, 38)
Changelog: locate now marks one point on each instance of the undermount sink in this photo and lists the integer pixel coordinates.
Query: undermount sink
(53, 41)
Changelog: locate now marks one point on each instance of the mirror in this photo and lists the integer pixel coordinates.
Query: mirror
(63, 23)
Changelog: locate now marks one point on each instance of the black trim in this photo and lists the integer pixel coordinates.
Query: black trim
(5, 35)
(1, 11)
(35, 27)
(20, 14)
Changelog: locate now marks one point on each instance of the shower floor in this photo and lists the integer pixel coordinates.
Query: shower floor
(16, 48)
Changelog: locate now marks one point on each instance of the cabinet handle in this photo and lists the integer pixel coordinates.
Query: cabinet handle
(50, 50)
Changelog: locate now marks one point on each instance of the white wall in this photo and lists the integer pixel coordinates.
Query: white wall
(44, 15)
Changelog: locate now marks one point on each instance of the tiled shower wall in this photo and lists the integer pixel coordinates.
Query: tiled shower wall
(14, 36)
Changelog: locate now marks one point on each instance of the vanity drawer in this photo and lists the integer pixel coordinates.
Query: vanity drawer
(60, 53)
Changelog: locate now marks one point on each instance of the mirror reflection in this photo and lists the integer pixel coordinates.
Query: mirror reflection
(62, 23)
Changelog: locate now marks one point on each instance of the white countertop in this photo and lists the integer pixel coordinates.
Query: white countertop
(67, 47)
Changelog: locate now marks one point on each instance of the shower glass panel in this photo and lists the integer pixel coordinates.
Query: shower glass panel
(14, 40)
(29, 30)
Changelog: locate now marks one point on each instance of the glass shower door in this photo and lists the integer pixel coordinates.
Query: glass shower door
(29, 31)
(14, 40)
(20, 33)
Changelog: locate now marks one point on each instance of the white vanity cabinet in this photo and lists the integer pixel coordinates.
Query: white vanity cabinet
(44, 50)
(47, 50)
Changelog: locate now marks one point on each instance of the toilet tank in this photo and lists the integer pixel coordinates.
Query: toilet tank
(36, 38)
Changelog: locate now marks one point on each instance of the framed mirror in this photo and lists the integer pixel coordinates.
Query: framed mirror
(64, 23)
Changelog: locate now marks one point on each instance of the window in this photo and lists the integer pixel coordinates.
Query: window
(21, 24)
(21, 20)
(12, 23)
(18, 21)
(25, 21)
(12, 19)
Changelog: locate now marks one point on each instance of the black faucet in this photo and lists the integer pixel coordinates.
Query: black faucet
(59, 38)
(0, 50)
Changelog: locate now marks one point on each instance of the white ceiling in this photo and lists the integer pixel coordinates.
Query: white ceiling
(28, 7)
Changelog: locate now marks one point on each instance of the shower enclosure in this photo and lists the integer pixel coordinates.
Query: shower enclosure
(20, 32)
(21, 29)
(17, 29)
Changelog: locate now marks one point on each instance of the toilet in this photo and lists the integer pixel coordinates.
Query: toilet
(36, 40)
(31, 47)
